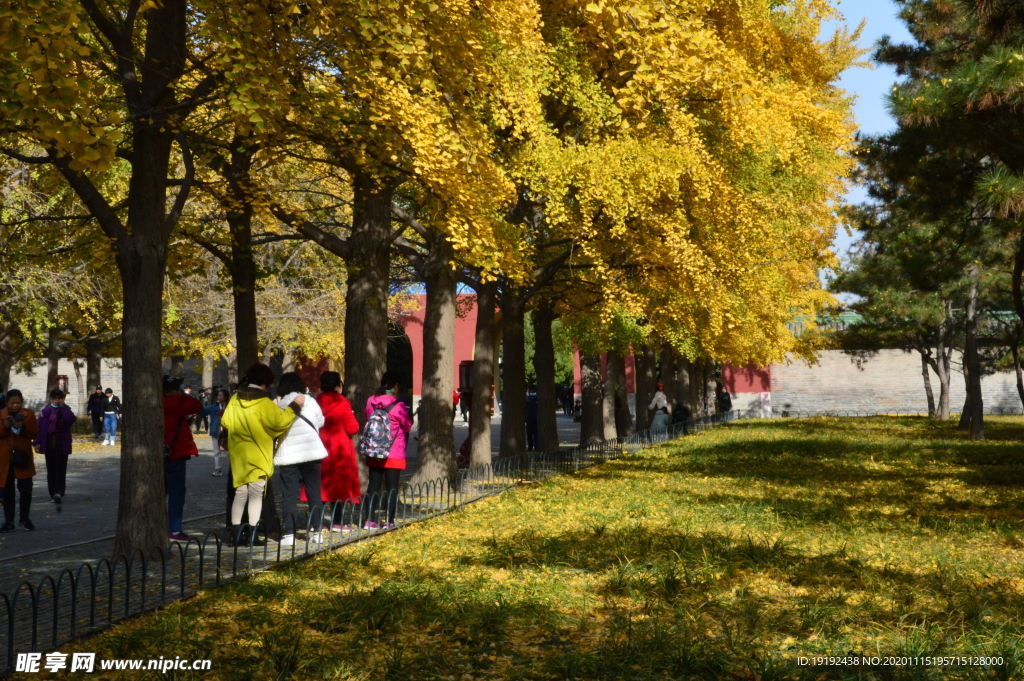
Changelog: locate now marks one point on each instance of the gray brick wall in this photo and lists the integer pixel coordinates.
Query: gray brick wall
(32, 383)
(890, 380)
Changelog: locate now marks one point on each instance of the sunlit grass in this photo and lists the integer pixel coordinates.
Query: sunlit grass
(724, 555)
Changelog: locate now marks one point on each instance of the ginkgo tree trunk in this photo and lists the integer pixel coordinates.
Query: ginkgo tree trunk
(98, 84)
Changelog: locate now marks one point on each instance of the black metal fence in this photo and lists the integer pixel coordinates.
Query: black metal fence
(101, 593)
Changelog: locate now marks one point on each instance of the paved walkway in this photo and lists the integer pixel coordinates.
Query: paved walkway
(81, 532)
(88, 517)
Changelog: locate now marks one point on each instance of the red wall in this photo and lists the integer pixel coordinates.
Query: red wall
(749, 379)
(465, 332)
(630, 360)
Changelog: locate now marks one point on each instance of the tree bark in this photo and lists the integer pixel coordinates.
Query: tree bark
(142, 509)
(366, 300)
(668, 374)
(645, 385)
(709, 385)
(616, 380)
(943, 359)
(592, 421)
(7, 359)
(972, 365)
(234, 375)
(287, 360)
(177, 366)
(93, 363)
(544, 367)
(927, 385)
(76, 363)
(513, 383)
(697, 389)
(436, 457)
(1017, 370)
(243, 258)
(483, 377)
(608, 404)
(684, 389)
(52, 357)
(208, 372)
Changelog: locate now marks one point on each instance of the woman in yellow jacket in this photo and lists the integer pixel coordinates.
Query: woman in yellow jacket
(253, 422)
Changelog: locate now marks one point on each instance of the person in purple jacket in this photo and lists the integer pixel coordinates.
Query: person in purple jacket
(388, 471)
(54, 441)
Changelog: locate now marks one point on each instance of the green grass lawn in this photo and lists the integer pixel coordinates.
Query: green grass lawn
(728, 554)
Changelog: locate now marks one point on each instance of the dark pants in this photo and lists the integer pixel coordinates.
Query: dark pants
(388, 478)
(25, 492)
(97, 424)
(56, 470)
(174, 486)
(293, 478)
(203, 422)
(531, 437)
(267, 515)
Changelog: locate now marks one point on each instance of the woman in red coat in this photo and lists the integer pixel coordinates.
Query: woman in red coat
(339, 472)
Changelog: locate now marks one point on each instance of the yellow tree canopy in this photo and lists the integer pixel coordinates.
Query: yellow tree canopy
(701, 152)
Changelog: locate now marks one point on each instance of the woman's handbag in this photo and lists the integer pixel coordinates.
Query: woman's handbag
(20, 459)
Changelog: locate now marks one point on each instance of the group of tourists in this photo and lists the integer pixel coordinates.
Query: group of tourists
(24, 434)
(302, 444)
(104, 408)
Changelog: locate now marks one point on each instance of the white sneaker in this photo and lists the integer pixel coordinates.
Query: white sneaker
(287, 540)
(217, 472)
(106, 442)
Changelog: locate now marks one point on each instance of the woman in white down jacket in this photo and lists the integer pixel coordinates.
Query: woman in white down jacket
(297, 459)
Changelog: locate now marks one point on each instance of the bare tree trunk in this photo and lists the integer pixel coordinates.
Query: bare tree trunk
(287, 359)
(52, 357)
(972, 364)
(645, 385)
(177, 365)
(684, 389)
(76, 363)
(608, 404)
(544, 367)
(616, 381)
(436, 457)
(668, 374)
(243, 258)
(1017, 369)
(9, 354)
(234, 374)
(965, 411)
(93, 363)
(710, 383)
(208, 372)
(697, 389)
(483, 377)
(513, 402)
(942, 366)
(927, 385)
(366, 300)
(592, 421)
(6, 364)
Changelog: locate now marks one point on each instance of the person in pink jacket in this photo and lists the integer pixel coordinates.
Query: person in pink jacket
(386, 473)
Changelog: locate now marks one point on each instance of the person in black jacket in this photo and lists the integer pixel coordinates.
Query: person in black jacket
(111, 414)
(96, 405)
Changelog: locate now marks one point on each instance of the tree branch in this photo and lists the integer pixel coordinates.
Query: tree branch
(186, 184)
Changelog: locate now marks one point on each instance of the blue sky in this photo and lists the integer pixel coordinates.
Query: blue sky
(869, 85)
